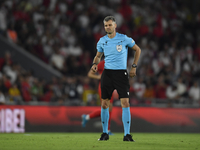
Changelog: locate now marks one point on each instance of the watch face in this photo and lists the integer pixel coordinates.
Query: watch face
(134, 65)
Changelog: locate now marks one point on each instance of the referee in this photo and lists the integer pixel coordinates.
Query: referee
(114, 46)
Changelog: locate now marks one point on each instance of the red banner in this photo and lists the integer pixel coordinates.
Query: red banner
(12, 116)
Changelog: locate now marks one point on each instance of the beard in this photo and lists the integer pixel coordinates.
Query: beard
(109, 32)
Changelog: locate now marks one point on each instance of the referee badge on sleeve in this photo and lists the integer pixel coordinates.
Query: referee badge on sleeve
(119, 48)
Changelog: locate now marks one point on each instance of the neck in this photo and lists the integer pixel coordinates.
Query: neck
(112, 35)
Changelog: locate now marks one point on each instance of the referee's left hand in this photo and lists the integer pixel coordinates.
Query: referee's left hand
(94, 68)
(132, 72)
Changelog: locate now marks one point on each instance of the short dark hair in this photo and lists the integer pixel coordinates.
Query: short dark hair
(109, 18)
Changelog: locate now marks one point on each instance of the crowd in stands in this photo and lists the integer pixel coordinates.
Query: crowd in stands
(64, 33)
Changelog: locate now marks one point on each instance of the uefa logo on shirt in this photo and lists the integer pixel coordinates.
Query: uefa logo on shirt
(119, 48)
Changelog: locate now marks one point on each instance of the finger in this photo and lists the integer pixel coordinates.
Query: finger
(132, 75)
(94, 69)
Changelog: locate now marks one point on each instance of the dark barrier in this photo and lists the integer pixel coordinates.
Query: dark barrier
(68, 119)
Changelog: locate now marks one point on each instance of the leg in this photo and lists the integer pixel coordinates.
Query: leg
(104, 119)
(126, 115)
(105, 114)
(126, 119)
(95, 114)
(106, 94)
(87, 117)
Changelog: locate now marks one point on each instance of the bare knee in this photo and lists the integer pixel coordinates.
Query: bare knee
(105, 103)
(125, 102)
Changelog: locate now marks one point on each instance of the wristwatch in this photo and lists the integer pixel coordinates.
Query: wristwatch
(134, 66)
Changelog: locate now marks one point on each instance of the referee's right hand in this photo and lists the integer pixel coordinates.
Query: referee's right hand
(132, 72)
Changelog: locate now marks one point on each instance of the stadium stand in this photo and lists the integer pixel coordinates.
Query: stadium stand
(62, 34)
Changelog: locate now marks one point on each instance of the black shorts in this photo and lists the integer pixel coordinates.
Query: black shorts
(114, 79)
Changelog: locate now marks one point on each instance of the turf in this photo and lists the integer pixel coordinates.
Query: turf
(87, 141)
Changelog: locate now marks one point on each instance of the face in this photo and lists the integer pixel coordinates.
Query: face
(110, 26)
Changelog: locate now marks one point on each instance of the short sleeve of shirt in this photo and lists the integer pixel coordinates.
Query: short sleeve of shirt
(130, 42)
(99, 47)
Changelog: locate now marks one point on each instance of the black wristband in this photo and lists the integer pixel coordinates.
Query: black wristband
(94, 64)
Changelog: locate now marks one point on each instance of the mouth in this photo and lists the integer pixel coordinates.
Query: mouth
(108, 31)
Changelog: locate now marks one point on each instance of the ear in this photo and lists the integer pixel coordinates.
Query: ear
(115, 25)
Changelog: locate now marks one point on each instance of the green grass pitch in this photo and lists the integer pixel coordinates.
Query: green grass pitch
(88, 141)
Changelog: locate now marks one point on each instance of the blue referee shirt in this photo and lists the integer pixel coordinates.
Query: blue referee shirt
(115, 51)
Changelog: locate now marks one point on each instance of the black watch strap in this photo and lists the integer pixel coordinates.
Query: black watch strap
(94, 64)
(134, 66)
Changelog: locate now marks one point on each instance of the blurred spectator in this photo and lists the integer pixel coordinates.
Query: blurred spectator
(139, 87)
(3, 19)
(2, 98)
(160, 88)
(197, 51)
(57, 60)
(149, 92)
(38, 50)
(12, 34)
(37, 89)
(25, 88)
(88, 41)
(6, 84)
(48, 94)
(5, 60)
(195, 68)
(194, 92)
(48, 49)
(57, 89)
(125, 9)
(181, 88)
(11, 71)
(74, 90)
(75, 50)
(172, 92)
(172, 95)
(15, 94)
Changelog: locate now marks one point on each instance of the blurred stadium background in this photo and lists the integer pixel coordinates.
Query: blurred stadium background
(47, 48)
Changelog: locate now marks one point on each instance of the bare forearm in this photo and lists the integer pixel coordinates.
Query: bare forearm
(137, 54)
(96, 60)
